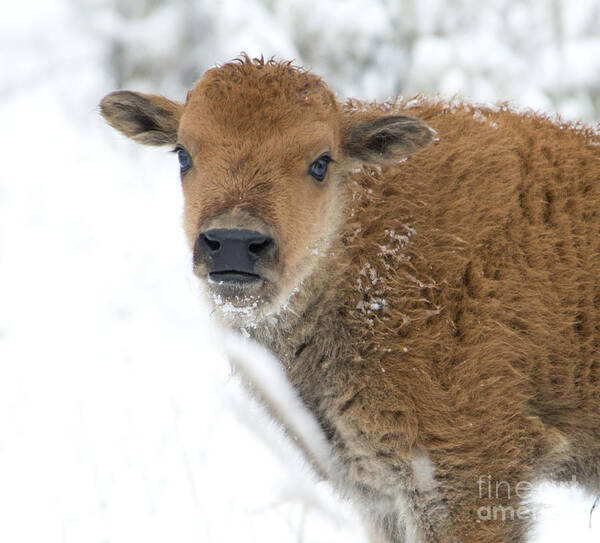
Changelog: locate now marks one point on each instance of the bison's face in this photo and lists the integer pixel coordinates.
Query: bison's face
(260, 206)
(264, 152)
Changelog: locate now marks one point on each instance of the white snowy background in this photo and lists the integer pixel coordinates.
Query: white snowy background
(119, 419)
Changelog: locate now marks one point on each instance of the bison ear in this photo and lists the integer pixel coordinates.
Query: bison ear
(146, 118)
(385, 140)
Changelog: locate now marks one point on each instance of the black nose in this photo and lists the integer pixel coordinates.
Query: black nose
(232, 254)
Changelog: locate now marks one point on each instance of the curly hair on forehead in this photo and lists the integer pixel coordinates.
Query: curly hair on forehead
(265, 81)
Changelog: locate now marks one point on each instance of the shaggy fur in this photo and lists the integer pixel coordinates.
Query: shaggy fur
(439, 313)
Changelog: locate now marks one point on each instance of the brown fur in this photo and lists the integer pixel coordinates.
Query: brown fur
(439, 315)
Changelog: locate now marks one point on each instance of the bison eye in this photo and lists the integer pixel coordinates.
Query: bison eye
(185, 160)
(318, 168)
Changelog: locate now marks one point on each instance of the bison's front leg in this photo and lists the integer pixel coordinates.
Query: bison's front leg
(481, 508)
(399, 496)
(470, 487)
(412, 517)
(458, 509)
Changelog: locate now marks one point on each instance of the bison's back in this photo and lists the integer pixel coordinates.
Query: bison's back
(513, 220)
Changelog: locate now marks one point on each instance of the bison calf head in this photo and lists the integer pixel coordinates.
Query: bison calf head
(265, 151)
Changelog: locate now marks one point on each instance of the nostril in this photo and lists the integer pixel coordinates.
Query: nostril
(260, 248)
(212, 244)
(233, 248)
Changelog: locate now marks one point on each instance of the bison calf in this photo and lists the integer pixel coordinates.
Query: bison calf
(427, 273)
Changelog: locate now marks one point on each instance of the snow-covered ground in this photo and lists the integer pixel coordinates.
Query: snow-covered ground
(119, 420)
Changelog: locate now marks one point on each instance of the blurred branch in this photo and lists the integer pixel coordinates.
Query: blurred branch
(267, 382)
